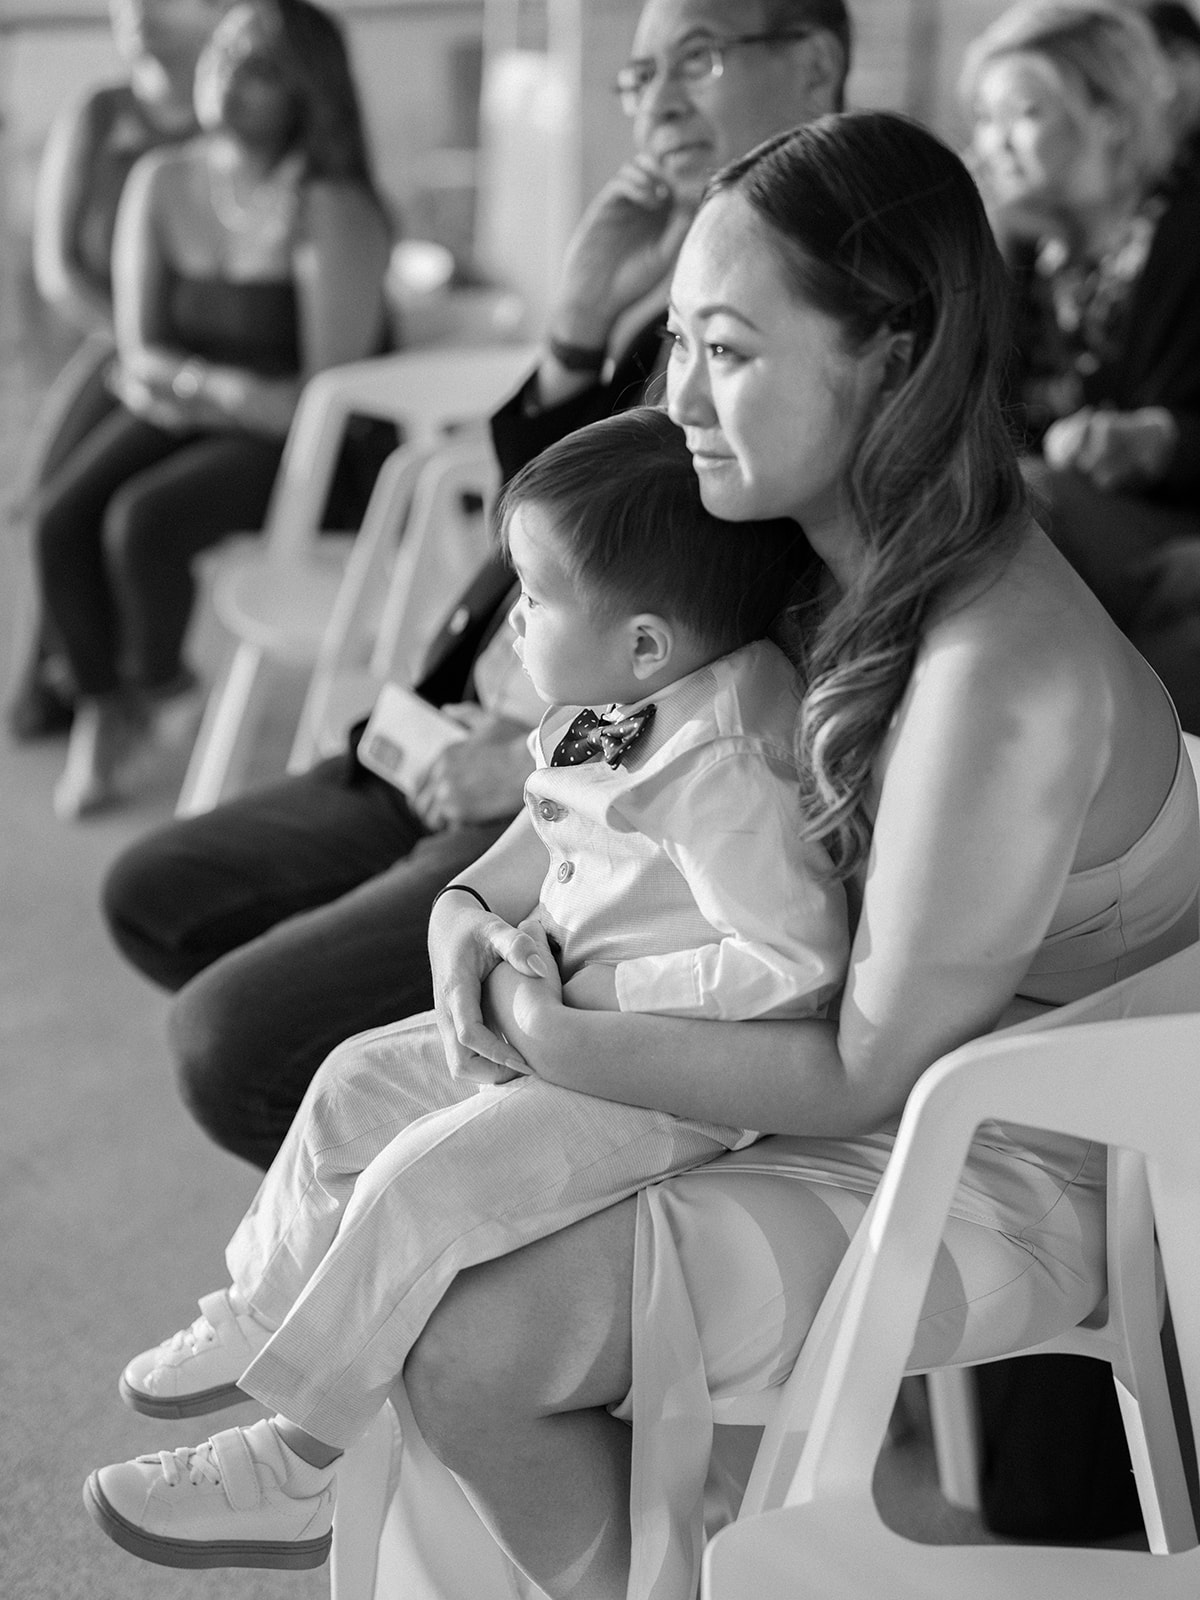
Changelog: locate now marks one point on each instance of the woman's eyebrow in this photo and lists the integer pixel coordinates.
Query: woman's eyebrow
(715, 308)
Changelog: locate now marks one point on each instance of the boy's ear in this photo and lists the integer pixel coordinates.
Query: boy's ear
(653, 641)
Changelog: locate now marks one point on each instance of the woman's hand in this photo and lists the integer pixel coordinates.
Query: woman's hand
(1115, 449)
(466, 945)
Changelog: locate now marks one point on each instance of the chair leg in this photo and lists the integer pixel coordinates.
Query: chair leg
(227, 732)
(954, 1418)
(365, 1488)
(1152, 1434)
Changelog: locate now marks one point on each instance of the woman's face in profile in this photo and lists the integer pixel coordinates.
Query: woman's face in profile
(1034, 142)
(771, 401)
(241, 82)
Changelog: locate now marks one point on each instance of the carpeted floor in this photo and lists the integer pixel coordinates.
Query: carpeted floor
(115, 1207)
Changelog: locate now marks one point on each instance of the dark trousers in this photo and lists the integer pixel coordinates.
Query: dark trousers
(288, 919)
(116, 528)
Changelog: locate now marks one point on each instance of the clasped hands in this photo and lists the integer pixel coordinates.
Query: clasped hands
(498, 995)
(1114, 449)
(147, 383)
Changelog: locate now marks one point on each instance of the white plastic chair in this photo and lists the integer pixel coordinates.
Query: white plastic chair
(277, 595)
(381, 626)
(952, 1394)
(1129, 1077)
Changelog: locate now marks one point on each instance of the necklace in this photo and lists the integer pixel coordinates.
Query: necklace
(264, 210)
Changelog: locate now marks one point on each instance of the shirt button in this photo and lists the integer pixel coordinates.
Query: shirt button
(548, 811)
(459, 620)
(566, 872)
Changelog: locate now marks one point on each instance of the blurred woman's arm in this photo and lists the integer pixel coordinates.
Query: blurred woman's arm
(60, 275)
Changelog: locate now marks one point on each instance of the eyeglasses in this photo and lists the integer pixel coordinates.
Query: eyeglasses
(695, 63)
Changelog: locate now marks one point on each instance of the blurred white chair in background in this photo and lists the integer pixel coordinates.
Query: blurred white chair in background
(393, 598)
(277, 593)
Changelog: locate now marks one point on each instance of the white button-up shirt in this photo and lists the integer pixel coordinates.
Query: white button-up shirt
(683, 867)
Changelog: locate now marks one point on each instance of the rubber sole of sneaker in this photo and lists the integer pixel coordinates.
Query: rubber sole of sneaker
(282, 1555)
(173, 1406)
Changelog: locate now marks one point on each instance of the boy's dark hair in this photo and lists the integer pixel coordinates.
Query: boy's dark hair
(635, 535)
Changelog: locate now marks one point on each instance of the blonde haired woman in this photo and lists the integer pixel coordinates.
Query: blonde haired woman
(1100, 211)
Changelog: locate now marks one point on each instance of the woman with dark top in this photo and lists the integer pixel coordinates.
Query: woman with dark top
(1098, 203)
(244, 262)
(90, 151)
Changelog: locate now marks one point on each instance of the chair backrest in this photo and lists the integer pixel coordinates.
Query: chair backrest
(1133, 1081)
(1036, 1074)
(394, 596)
(424, 392)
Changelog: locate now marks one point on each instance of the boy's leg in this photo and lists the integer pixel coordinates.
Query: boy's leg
(499, 1169)
(364, 1096)
(366, 1093)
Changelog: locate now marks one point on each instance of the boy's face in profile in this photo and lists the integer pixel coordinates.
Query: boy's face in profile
(573, 654)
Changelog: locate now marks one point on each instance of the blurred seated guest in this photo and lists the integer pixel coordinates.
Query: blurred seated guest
(1178, 33)
(91, 148)
(1098, 202)
(243, 263)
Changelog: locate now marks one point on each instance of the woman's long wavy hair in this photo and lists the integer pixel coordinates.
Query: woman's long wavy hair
(878, 225)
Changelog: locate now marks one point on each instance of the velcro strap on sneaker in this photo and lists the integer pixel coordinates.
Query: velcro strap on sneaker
(238, 1474)
(219, 1312)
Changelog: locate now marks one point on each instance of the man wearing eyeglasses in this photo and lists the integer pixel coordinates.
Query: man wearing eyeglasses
(296, 915)
(706, 81)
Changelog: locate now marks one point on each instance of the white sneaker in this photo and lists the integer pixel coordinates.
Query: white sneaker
(222, 1504)
(198, 1368)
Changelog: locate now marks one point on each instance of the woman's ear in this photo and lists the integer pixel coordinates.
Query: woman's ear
(653, 642)
(897, 359)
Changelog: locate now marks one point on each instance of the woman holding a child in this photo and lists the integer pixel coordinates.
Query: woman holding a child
(998, 779)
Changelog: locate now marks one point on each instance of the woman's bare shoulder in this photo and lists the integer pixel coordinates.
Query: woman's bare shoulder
(1029, 637)
(1031, 663)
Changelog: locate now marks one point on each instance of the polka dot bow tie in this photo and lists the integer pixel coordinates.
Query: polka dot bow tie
(588, 736)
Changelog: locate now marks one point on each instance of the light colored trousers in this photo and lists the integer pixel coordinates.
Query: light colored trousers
(393, 1177)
